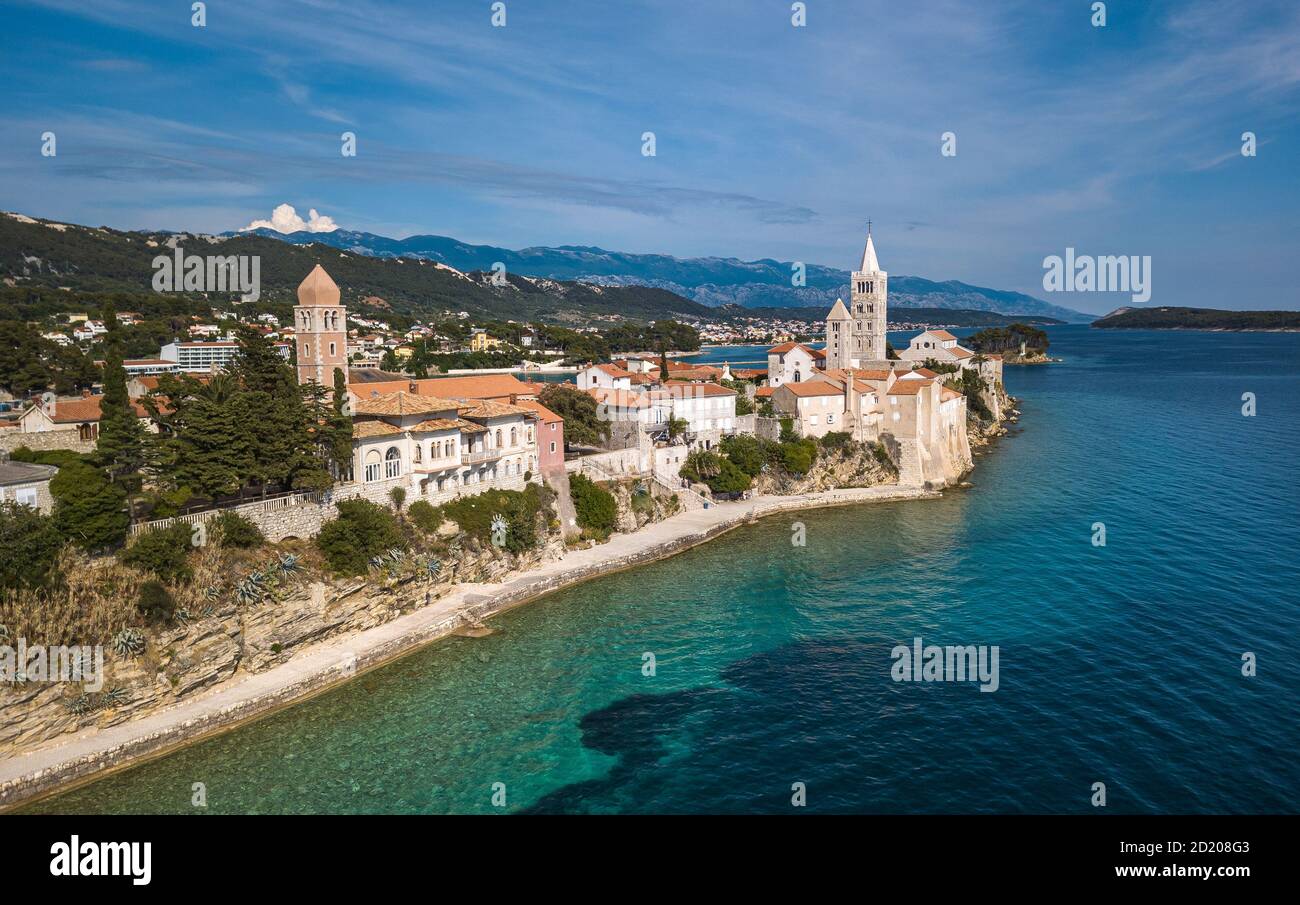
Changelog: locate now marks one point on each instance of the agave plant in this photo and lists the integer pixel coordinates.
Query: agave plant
(80, 705)
(212, 592)
(250, 589)
(376, 562)
(395, 555)
(432, 567)
(288, 564)
(129, 642)
(114, 697)
(182, 616)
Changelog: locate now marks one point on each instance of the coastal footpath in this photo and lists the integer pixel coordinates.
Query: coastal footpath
(90, 755)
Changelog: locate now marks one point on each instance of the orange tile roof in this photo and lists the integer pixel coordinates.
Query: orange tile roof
(908, 387)
(959, 352)
(764, 392)
(437, 424)
(486, 408)
(787, 347)
(626, 399)
(362, 430)
(83, 409)
(547, 416)
(807, 388)
(613, 371)
(942, 334)
(404, 403)
(475, 386)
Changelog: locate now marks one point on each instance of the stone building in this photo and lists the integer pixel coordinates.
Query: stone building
(855, 335)
(320, 330)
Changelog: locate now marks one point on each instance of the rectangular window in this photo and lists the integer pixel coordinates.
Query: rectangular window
(552, 446)
(372, 472)
(25, 496)
(393, 468)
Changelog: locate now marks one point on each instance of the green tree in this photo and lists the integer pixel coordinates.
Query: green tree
(88, 507)
(120, 447)
(161, 551)
(582, 424)
(362, 530)
(29, 547)
(597, 510)
(234, 530)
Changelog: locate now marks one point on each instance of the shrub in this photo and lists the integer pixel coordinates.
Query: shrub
(787, 431)
(882, 455)
(597, 510)
(836, 440)
(797, 457)
(237, 531)
(475, 514)
(730, 479)
(746, 452)
(362, 530)
(156, 603)
(426, 516)
(59, 458)
(29, 547)
(88, 508)
(701, 465)
(398, 496)
(161, 551)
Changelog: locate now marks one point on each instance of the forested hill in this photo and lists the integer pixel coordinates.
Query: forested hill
(1166, 318)
(44, 254)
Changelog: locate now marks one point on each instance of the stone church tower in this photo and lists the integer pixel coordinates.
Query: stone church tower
(859, 341)
(321, 326)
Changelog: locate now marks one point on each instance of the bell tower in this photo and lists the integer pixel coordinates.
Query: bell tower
(868, 303)
(321, 330)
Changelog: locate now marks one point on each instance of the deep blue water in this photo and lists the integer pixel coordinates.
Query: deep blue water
(1118, 664)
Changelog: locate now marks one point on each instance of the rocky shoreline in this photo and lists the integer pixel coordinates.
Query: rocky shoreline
(398, 624)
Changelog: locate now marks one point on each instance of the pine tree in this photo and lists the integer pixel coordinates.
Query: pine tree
(120, 448)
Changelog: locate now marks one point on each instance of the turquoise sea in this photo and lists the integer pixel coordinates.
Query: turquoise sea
(1119, 664)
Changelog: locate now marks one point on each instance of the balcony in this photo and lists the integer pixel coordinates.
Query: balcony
(477, 457)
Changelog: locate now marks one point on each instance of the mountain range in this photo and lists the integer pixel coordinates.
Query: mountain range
(425, 276)
(709, 281)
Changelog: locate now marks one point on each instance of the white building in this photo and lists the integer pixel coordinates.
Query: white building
(437, 449)
(608, 377)
(792, 362)
(206, 357)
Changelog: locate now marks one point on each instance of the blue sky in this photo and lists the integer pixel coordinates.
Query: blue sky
(772, 141)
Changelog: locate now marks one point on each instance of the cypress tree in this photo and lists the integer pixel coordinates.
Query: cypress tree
(120, 447)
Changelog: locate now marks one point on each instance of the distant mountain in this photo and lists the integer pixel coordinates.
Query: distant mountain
(97, 259)
(709, 281)
(1167, 318)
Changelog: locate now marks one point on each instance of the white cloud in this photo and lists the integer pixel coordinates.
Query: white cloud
(284, 219)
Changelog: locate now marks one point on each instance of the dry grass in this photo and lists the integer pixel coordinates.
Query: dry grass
(95, 601)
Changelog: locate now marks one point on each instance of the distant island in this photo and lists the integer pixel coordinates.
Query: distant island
(1166, 318)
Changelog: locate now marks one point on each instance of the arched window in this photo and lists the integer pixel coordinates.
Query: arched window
(530, 435)
(514, 437)
(419, 453)
(372, 465)
(392, 463)
(498, 438)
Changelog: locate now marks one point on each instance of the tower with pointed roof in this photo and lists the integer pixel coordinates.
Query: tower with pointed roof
(855, 335)
(868, 307)
(839, 336)
(321, 330)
